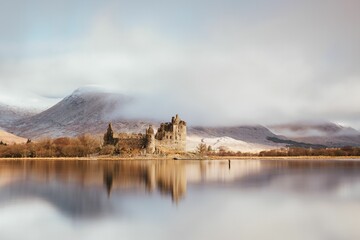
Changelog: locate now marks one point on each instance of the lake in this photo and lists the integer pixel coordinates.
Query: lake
(241, 199)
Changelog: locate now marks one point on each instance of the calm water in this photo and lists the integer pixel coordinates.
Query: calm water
(248, 199)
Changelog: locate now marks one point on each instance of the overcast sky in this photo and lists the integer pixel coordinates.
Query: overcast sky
(212, 61)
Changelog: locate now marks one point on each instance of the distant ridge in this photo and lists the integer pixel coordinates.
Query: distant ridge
(10, 114)
(323, 133)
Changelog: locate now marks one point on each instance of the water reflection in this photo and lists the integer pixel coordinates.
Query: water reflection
(238, 195)
(50, 178)
(71, 181)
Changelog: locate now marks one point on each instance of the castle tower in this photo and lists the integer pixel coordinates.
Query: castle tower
(182, 133)
(171, 136)
(175, 128)
(150, 140)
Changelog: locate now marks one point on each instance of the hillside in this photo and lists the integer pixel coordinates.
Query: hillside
(227, 143)
(251, 134)
(239, 138)
(9, 138)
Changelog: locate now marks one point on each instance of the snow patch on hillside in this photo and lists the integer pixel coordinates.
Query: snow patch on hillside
(228, 143)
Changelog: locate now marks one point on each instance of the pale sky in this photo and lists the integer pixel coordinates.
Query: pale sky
(213, 61)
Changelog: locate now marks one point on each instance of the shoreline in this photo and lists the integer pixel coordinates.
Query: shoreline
(177, 158)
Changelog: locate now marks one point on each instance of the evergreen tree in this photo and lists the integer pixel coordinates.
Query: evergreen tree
(109, 137)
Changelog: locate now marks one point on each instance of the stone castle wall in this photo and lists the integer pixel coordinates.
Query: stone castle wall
(131, 141)
(170, 137)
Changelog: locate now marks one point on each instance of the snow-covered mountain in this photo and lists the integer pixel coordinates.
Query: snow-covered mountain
(84, 111)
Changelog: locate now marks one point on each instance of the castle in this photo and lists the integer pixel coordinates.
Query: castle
(170, 137)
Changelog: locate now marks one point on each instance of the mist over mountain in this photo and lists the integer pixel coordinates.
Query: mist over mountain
(84, 111)
(10, 114)
(324, 133)
(90, 109)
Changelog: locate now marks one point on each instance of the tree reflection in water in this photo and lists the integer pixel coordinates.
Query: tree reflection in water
(77, 186)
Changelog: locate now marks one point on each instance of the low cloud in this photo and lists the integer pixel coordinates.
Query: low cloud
(213, 62)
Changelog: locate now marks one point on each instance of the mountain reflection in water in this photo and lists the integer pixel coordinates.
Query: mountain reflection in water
(101, 190)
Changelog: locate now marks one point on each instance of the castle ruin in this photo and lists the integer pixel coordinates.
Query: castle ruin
(170, 137)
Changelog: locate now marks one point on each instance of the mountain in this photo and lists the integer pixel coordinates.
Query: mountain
(324, 133)
(10, 114)
(89, 110)
(84, 111)
(257, 137)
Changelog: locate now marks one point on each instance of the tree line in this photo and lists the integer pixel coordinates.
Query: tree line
(88, 145)
(81, 146)
(332, 152)
(203, 149)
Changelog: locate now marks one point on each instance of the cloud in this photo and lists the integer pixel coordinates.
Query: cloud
(214, 62)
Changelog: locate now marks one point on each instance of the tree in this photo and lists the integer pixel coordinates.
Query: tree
(107, 150)
(201, 148)
(109, 136)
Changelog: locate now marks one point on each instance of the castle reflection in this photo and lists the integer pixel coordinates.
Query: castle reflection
(83, 188)
(169, 178)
